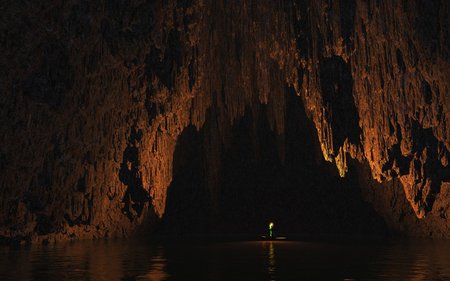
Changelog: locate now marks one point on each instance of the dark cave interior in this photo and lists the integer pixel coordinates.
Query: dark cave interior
(265, 177)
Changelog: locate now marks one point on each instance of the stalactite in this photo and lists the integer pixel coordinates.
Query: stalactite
(373, 76)
(392, 68)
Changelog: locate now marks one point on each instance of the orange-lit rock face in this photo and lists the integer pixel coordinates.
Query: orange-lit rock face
(96, 95)
(392, 57)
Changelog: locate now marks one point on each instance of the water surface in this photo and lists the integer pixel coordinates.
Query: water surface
(228, 260)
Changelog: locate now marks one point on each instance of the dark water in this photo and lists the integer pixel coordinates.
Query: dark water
(246, 260)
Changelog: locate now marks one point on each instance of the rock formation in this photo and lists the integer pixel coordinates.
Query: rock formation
(95, 95)
(387, 105)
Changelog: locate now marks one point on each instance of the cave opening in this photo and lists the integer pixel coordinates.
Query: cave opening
(262, 176)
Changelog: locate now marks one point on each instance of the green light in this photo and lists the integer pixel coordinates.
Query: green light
(271, 225)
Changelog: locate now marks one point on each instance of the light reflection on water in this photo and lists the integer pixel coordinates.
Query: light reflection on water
(250, 260)
(271, 262)
(157, 271)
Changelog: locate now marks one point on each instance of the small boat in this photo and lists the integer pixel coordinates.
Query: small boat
(271, 235)
(264, 237)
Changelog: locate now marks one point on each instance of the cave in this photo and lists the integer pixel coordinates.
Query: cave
(263, 176)
(171, 120)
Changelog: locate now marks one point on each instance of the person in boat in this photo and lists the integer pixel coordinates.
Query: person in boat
(271, 230)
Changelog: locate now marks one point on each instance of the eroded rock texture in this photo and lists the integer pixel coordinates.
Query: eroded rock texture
(377, 90)
(96, 93)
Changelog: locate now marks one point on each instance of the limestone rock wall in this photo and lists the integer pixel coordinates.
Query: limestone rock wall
(94, 95)
(376, 85)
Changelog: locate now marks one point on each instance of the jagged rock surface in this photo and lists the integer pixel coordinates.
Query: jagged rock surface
(95, 95)
(376, 87)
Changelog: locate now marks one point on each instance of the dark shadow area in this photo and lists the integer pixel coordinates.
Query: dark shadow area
(301, 195)
(166, 66)
(337, 93)
(187, 196)
(347, 10)
(427, 144)
(52, 80)
(427, 24)
(136, 195)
